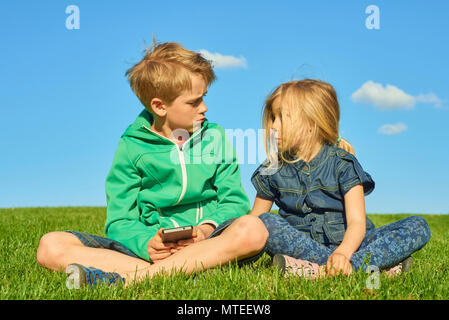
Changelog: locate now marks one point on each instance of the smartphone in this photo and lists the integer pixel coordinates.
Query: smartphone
(175, 234)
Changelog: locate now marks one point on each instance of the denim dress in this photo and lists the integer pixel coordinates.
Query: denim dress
(310, 196)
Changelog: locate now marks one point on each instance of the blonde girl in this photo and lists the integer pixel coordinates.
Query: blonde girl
(319, 187)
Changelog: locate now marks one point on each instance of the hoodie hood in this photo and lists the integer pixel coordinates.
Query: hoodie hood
(141, 129)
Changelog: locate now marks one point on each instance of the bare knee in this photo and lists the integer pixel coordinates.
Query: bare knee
(53, 247)
(249, 235)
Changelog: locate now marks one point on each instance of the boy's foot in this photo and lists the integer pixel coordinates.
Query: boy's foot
(78, 275)
(402, 267)
(299, 267)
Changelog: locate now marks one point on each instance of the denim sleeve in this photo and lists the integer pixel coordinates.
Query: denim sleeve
(261, 183)
(350, 173)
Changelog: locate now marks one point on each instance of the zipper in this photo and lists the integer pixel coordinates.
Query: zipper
(181, 159)
(184, 173)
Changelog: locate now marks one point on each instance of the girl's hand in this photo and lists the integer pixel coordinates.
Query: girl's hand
(338, 263)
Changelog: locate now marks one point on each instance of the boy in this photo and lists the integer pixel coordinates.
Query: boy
(162, 177)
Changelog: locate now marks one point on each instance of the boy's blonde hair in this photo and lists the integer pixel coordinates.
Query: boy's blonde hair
(309, 112)
(165, 72)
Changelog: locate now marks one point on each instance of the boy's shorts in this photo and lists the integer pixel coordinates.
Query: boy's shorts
(94, 241)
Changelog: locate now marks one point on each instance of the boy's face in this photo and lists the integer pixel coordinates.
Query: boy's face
(188, 110)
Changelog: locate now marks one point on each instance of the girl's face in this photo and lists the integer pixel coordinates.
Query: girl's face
(277, 122)
(298, 134)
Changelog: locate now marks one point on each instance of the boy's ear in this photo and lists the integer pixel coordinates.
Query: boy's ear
(158, 107)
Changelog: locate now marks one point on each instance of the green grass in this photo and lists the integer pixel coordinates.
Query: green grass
(22, 278)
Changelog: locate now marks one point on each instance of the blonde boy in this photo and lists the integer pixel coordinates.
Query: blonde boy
(157, 182)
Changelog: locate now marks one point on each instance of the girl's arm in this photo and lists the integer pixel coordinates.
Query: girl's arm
(260, 206)
(355, 232)
(356, 221)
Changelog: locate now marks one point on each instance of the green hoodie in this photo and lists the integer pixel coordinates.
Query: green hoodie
(154, 183)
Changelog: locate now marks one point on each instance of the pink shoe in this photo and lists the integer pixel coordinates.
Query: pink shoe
(402, 267)
(292, 266)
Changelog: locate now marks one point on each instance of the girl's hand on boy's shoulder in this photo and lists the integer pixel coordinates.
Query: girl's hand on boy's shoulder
(338, 263)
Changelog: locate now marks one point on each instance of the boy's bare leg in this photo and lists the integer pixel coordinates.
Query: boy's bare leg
(59, 249)
(244, 238)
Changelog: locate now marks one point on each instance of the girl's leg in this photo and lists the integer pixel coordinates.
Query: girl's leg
(285, 239)
(387, 246)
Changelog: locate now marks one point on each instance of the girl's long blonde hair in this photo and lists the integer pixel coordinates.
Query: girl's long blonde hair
(309, 112)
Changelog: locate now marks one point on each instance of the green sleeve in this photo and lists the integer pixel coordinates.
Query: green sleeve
(123, 213)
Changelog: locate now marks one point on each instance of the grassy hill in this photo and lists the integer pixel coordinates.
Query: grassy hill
(22, 278)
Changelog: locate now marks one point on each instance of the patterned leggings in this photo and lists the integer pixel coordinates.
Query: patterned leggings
(385, 247)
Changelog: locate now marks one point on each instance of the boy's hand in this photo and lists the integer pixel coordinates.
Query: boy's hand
(158, 250)
(338, 263)
(200, 233)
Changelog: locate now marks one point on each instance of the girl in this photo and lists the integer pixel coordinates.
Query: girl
(319, 187)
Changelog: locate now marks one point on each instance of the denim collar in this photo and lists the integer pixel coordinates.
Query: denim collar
(316, 162)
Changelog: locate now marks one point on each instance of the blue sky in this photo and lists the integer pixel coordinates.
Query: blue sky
(65, 100)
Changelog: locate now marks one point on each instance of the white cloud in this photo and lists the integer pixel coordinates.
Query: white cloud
(430, 98)
(391, 97)
(221, 61)
(391, 129)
